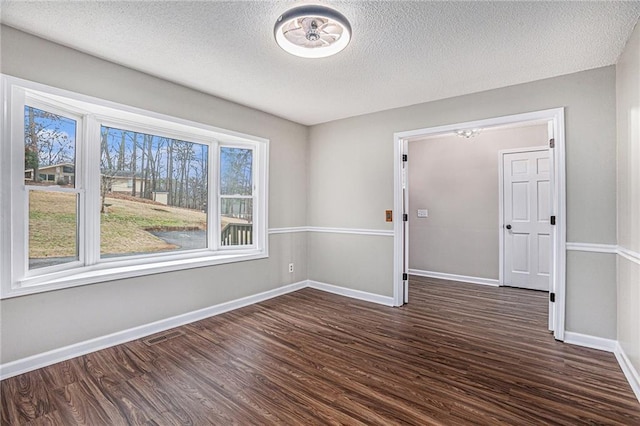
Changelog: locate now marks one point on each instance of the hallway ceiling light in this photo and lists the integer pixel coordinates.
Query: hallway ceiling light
(468, 133)
(312, 31)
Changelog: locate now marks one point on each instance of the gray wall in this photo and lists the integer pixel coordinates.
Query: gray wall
(628, 104)
(456, 179)
(332, 260)
(338, 174)
(37, 323)
(351, 181)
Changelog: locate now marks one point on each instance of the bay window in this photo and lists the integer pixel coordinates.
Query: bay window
(93, 191)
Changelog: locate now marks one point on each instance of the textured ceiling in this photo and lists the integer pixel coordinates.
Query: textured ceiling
(402, 53)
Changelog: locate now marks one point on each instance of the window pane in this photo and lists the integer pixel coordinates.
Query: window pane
(153, 192)
(236, 171)
(236, 221)
(53, 229)
(49, 148)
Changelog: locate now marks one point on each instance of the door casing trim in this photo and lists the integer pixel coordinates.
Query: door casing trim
(558, 208)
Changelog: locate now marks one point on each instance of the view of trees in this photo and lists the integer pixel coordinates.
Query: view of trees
(143, 164)
(49, 139)
(134, 167)
(236, 182)
(236, 171)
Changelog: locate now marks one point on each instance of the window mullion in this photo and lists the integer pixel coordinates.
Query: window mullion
(213, 209)
(261, 208)
(19, 196)
(256, 219)
(90, 169)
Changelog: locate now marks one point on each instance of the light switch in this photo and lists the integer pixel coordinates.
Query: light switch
(423, 213)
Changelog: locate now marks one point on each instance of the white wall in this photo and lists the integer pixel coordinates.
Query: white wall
(628, 118)
(456, 179)
(37, 323)
(351, 183)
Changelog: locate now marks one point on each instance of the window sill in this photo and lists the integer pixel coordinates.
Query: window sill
(112, 271)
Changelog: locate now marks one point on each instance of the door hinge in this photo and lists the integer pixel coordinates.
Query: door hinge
(404, 157)
(552, 297)
(552, 143)
(552, 220)
(405, 217)
(405, 276)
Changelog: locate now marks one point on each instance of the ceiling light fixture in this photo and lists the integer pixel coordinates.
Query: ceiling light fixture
(312, 31)
(468, 133)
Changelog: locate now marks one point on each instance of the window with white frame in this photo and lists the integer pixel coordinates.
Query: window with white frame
(96, 191)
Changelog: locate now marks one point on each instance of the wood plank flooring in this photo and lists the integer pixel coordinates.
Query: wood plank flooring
(457, 354)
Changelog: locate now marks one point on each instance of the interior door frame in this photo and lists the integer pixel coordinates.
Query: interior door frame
(405, 224)
(555, 117)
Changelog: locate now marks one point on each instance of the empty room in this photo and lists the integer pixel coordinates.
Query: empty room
(332, 212)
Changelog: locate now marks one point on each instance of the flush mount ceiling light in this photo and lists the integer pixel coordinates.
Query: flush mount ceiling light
(468, 133)
(312, 31)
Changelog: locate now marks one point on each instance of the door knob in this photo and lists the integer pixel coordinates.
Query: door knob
(508, 226)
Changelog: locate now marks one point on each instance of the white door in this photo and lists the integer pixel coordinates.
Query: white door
(526, 213)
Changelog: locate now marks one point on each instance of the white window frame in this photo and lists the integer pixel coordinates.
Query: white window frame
(90, 113)
(19, 216)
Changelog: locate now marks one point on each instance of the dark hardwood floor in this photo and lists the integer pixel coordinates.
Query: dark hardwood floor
(457, 354)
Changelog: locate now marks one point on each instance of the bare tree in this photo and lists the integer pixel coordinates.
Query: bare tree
(121, 152)
(46, 141)
(182, 174)
(236, 179)
(134, 163)
(107, 171)
(170, 195)
(31, 145)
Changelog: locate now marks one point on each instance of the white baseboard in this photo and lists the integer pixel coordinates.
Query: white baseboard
(454, 277)
(593, 342)
(608, 345)
(354, 294)
(628, 369)
(34, 362)
(54, 356)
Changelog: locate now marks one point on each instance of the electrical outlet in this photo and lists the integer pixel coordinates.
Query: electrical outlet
(291, 267)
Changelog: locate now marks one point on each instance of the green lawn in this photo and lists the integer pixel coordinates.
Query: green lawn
(52, 225)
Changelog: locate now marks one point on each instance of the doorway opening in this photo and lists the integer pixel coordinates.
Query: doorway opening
(549, 184)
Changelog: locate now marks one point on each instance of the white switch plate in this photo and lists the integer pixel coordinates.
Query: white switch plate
(423, 213)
